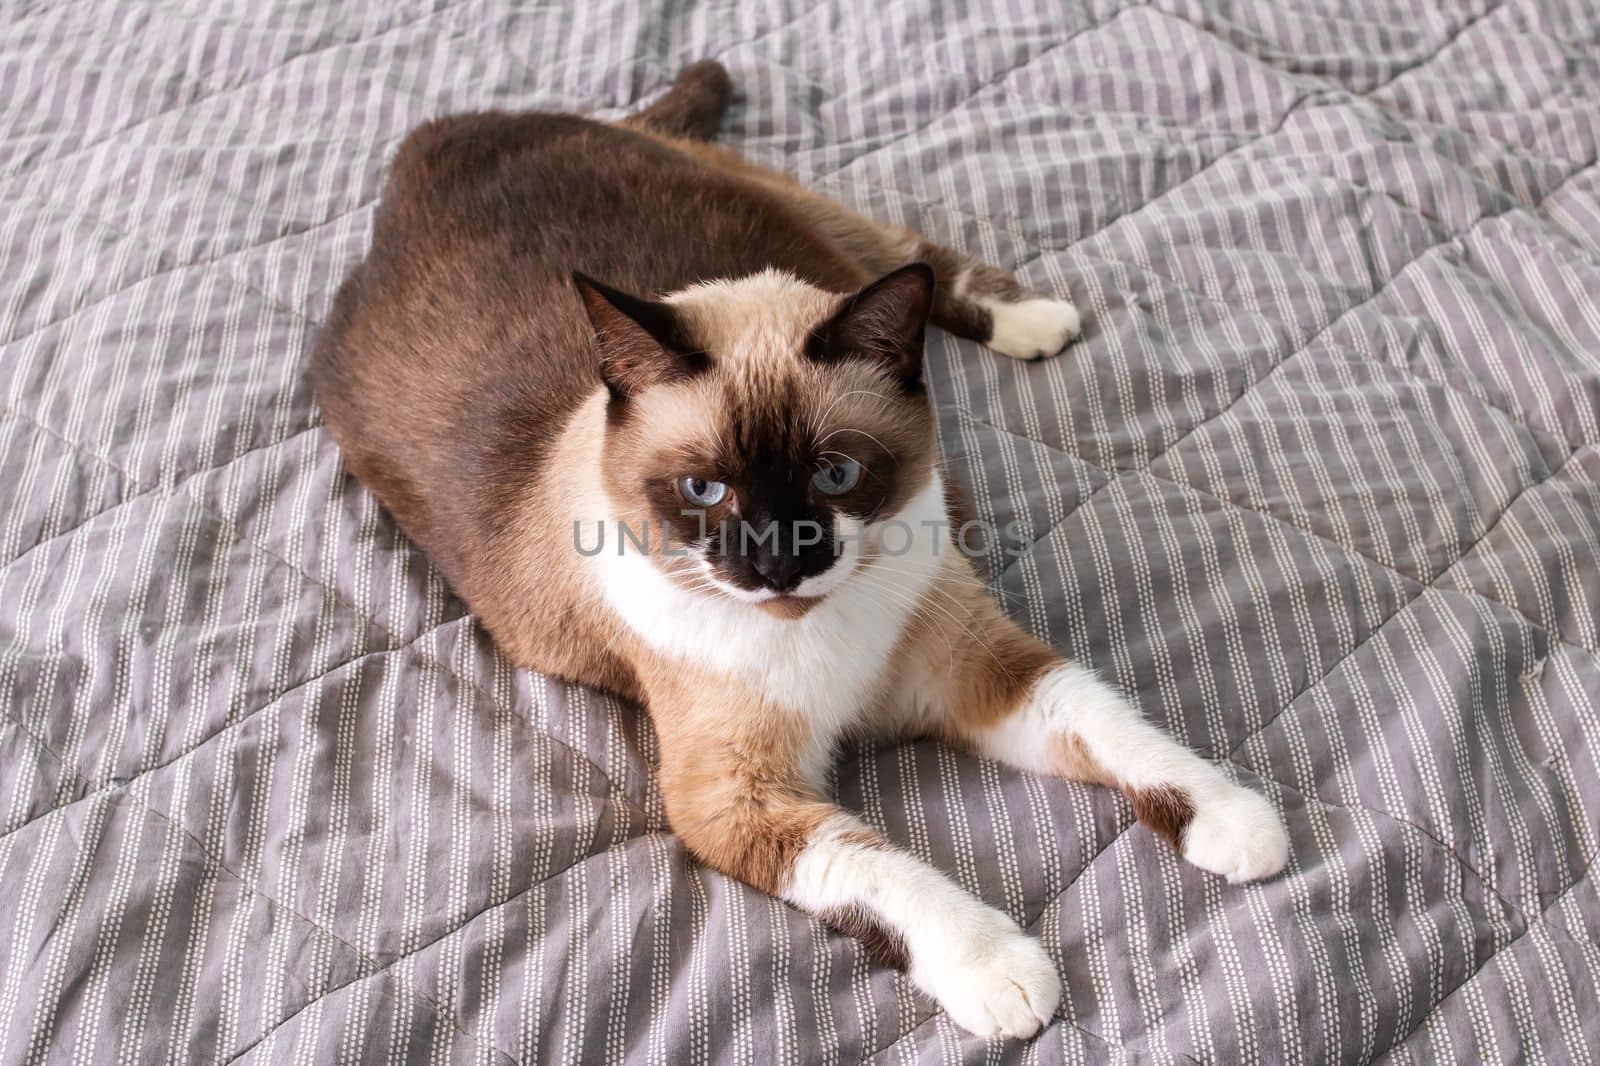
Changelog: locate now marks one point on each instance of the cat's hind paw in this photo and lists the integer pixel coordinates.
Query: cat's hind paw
(1031, 328)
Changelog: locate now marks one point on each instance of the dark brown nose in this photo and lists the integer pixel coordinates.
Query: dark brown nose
(778, 552)
(780, 570)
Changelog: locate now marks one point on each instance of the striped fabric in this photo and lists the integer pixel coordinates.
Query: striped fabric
(1320, 486)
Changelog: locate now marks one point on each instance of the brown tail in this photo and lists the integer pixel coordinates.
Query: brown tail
(693, 107)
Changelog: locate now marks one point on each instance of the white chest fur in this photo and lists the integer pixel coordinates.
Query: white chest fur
(824, 665)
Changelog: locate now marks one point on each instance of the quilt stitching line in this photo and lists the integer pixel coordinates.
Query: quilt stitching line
(472, 683)
(77, 213)
(1269, 324)
(273, 302)
(227, 527)
(1119, 478)
(1430, 249)
(7, 564)
(639, 806)
(1467, 867)
(1420, 61)
(1553, 238)
(657, 63)
(453, 672)
(826, 175)
(1109, 844)
(1134, 474)
(1005, 223)
(1476, 875)
(1289, 356)
(1434, 1007)
(985, 85)
(1540, 921)
(1354, 354)
(1424, 588)
(1402, 1038)
(217, 261)
(126, 789)
(77, 448)
(1520, 152)
(384, 144)
(119, 784)
(1359, 645)
(235, 537)
(233, 723)
(177, 488)
(210, 857)
(1328, 93)
(1124, 1050)
(1550, 631)
(29, 168)
(1544, 915)
(1000, 222)
(429, 1001)
(386, 968)
(1449, 571)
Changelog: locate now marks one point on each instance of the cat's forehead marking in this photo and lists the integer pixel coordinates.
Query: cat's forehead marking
(755, 329)
(754, 324)
(762, 396)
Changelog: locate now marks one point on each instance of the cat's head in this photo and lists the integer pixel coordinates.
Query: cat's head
(768, 428)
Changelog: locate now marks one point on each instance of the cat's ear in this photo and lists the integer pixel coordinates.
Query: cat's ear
(641, 341)
(884, 322)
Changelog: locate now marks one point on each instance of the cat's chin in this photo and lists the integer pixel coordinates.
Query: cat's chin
(790, 607)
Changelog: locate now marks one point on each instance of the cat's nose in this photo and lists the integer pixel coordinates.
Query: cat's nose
(781, 571)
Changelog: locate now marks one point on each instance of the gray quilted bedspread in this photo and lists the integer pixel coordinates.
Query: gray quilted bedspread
(1320, 486)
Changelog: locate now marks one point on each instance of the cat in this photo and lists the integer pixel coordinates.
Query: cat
(751, 361)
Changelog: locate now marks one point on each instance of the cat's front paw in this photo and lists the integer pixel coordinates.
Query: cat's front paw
(995, 981)
(1032, 328)
(1238, 834)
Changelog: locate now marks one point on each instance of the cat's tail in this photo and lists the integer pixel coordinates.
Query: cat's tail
(693, 107)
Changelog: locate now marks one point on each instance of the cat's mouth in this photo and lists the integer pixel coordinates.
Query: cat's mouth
(810, 592)
(786, 603)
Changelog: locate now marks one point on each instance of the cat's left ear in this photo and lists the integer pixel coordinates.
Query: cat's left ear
(884, 322)
(641, 341)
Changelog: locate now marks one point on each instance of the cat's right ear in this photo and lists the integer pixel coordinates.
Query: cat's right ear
(641, 341)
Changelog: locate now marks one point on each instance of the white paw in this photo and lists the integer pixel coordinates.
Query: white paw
(1236, 833)
(1031, 329)
(994, 981)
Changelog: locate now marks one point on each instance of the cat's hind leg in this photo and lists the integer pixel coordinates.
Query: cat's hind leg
(693, 108)
(971, 299)
(984, 303)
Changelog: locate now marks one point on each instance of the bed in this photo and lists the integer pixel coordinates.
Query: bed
(1320, 487)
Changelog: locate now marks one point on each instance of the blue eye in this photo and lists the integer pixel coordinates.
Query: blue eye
(702, 492)
(836, 479)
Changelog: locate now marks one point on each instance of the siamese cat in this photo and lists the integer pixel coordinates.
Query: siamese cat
(567, 331)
